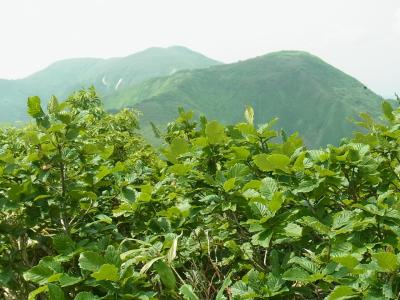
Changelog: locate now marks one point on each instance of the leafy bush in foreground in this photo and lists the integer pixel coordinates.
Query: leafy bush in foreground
(90, 212)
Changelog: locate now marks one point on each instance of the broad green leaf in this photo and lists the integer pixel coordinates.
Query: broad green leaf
(240, 152)
(215, 133)
(179, 169)
(38, 274)
(34, 108)
(293, 230)
(268, 187)
(67, 280)
(387, 110)
(348, 261)
(112, 256)
(63, 244)
(55, 292)
(229, 184)
(316, 225)
(271, 162)
(106, 272)
(296, 274)
(307, 186)
(387, 261)
(179, 146)
(187, 291)
(276, 202)
(305, 263)
(166, 275)
(341, 293)
(90, 261)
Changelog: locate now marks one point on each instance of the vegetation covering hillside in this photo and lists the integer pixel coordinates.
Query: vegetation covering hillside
(89, 211)
(108, 75)
(306, 94)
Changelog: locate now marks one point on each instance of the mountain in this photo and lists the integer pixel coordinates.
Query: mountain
(107, 75)
(304, 92)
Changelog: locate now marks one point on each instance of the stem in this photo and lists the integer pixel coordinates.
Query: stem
(63, 220)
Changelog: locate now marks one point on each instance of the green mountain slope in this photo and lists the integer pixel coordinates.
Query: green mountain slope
(107, 75)
(305, 93)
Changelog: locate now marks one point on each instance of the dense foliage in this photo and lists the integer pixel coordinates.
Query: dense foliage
(88, 211)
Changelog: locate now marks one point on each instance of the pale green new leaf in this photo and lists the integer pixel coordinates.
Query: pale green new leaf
(107, 272)
(271, 162)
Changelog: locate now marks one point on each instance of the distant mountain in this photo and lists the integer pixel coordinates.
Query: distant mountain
(305, 93)
(107, 75)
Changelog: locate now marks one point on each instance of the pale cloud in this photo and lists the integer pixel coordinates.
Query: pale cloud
(397, 21)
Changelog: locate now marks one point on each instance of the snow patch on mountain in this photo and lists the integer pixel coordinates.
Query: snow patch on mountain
(118, 84)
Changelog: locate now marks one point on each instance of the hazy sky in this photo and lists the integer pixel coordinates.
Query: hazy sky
(361, 37)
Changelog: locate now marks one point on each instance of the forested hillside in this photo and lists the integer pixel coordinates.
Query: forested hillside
(89, 211)
(107, 75)
(305, 93)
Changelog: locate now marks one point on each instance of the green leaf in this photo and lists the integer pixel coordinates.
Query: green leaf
(32, 295)
(341, 293)
(268, 187)
(296, 274)
(107, 272)
(179, 146)
(293, 230)
(166, 275)
(276, 202)
(387, 261)
(86, 296)
(305, 263)
(55, 292)
(149, 264)
(112, 256)
(271, 162)
(38, 274)
(90, 261)
(67, 280)
(103, 218)
(215, 133)
(316, 225)
(34, 108)
(307, 186)
(63, 244)
(229, 184)
(53, 106)
(387, 110)
(349, 261)
(179, 169)
(187, 291)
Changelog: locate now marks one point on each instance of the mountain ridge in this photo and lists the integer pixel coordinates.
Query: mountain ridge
(63, 77)
(283, 84)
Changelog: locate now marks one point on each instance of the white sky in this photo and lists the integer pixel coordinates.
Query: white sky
(361, 37)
